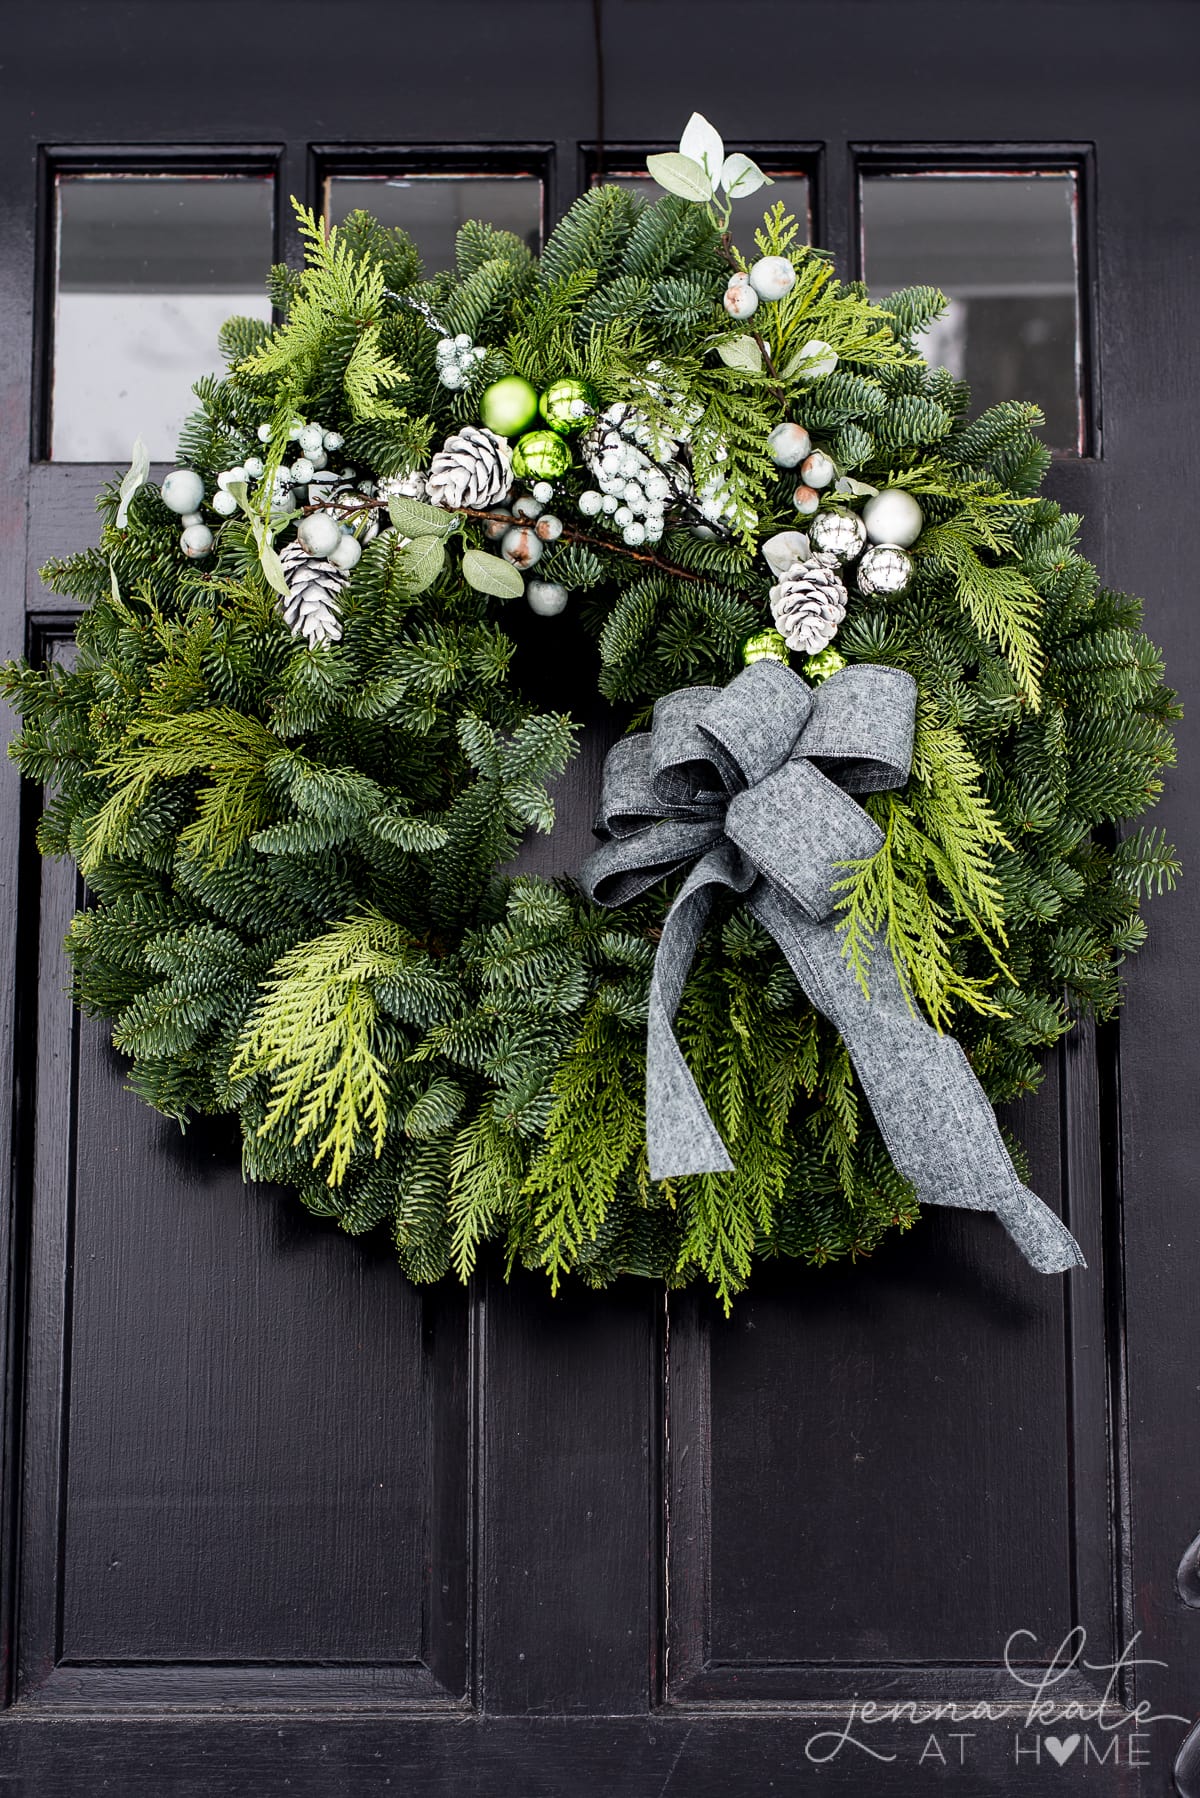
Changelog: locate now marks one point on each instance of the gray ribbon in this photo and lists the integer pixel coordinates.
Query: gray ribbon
(750, 786)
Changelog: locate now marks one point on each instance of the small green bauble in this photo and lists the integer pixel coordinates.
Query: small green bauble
(540, 455)
(820, 667)
(765, 646)
(567, 405)
(508, 406)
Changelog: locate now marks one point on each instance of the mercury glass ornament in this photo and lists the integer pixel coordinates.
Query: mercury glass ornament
(820, 667)
(772, 276)
(546, 598)
(182, 490)
(893, 516)
(840, 534)
(542, 454)
(764, 646)
(884, 572)
(567, 405)
(788, 444)
(508, 406)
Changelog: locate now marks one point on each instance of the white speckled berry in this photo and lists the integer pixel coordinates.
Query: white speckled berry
(182, 490)
(772, 276)
(806, 500)
(818, 469)
(521, 547)
(740, 300)
(224, 503)
(319, 534)
(196, 541)
(345, 552)
(788, 444)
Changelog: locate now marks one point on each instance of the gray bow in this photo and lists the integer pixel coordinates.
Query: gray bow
(737, 781)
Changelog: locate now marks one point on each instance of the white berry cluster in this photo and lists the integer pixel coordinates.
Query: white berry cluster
(628, 463)
(456, 358)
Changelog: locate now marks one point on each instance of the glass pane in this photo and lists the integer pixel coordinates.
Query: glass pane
(1003, 249)
(432, 207)
(790, 187)
(148, 269)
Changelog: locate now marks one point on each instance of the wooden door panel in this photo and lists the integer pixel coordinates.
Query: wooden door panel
(255, 1480)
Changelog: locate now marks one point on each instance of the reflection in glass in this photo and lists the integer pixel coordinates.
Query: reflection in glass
(791, 188)
(148, 268)
(1003, 249)
(432, 207)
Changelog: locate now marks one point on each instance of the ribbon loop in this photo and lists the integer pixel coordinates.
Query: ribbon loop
(750, 786)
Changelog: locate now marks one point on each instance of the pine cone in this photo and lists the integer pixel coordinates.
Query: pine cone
(314, 588)
(809, 603)
(473, 468)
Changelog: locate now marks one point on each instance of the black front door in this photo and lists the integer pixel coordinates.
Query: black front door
(276, 1521)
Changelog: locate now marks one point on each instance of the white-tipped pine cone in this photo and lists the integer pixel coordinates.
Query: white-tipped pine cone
(808, 604)
(473, 468)
(312, 607)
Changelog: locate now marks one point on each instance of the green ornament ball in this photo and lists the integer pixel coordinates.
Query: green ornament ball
(508, 406)
(820, 667)
(567, 405)
(540, 455)
(765, 646)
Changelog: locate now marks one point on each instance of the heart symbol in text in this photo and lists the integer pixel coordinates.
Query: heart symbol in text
(1061, 1751)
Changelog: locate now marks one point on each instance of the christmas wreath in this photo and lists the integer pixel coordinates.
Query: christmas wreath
(893, 719)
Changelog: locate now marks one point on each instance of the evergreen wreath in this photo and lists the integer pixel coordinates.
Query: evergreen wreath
(290, 763)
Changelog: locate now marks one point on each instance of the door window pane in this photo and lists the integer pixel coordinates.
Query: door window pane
(1003, 248)
(148, 267)
(432, 207)
(790, 186)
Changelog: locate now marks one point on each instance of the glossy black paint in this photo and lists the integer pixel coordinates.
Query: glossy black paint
(276, 1523)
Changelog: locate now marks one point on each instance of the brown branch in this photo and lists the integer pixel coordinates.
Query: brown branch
(569, 532)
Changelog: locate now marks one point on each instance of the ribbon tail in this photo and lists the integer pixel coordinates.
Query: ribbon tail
(932, 1113)
(681, 1137)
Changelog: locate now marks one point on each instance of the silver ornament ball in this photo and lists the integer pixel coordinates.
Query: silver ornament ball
(893, 516)
(840, 534)
(884, 571)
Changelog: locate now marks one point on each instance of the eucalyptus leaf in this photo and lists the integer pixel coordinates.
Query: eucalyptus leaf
(701, 142)
(492, 574)
(741, 352)
(139, 469)
(114, 588)
(680, 175)
(423, 559)
(742, 176)
(861, 489)
(272, 567)
(412, 518)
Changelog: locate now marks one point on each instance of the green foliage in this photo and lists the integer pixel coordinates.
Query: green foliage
(297, 912)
